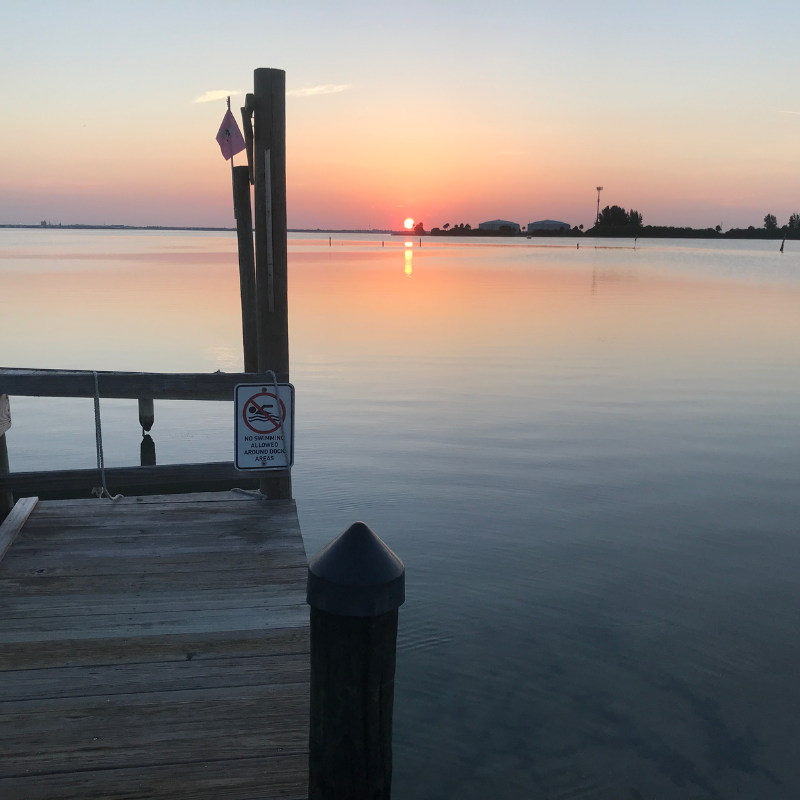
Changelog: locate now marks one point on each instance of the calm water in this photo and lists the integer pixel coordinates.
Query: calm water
(588, 460)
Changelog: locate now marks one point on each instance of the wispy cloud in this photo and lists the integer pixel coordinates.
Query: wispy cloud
(216, 94)
(325, 88)
(789, 112)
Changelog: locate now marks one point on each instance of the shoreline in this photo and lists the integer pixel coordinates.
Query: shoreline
(757, 234)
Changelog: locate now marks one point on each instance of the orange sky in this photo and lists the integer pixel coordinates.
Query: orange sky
(407, 110)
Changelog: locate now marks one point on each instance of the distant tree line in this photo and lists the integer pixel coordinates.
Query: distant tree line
(616, 221)
(771, 223)
(465, 229)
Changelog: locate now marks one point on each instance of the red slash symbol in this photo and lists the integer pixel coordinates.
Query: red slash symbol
(260, 413)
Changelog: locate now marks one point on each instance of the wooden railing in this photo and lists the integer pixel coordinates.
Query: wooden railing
(142, 386)
(130, 385)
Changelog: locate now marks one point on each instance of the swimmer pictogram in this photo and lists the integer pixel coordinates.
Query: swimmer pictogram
(261, 412)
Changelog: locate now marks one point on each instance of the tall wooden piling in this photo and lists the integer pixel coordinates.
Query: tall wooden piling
(269, 166)
(355, 586)
(247, 269)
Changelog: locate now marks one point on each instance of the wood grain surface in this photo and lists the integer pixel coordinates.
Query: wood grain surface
(132, 385)
(128, 479)
(155, 647)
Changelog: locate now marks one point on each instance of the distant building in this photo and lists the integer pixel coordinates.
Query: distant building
(548, 225)
(497, 224)
(44, 223)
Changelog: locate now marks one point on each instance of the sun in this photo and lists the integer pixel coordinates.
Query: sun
(409, 223)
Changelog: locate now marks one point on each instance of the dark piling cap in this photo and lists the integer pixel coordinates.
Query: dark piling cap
(356, 575)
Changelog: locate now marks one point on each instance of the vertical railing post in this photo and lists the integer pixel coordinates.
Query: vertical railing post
(355, 586)
(147, 416)
(269, 167)
(6, 498)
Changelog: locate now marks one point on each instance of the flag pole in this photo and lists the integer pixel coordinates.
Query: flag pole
(233, 182)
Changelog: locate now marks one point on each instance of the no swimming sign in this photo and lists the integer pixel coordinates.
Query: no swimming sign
(263, 426)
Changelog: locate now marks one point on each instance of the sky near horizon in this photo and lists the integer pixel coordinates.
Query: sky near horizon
(441, 111)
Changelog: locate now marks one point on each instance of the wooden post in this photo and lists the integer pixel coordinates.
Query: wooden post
(6, 498)
(247, 127)
(269, 166)
(247, 270)
(355, 586)
(147, 414)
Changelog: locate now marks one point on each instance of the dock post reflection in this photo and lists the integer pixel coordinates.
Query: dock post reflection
(147, 451)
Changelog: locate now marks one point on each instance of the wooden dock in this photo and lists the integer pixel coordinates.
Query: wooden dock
(155, 647)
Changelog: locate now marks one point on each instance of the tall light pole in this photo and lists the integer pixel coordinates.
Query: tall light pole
(597, 219)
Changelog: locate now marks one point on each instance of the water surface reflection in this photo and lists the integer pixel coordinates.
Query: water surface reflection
(587, 459)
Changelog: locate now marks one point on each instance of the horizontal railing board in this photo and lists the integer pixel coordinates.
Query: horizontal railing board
(128, 385)
(74, 480)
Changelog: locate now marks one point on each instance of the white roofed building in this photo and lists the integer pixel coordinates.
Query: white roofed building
(497, 224)
(548, 225)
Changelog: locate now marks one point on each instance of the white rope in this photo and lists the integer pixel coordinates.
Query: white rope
(100, 491)
(280, 416)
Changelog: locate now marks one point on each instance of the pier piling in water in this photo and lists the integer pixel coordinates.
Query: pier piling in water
(247, 268)
(269, 166)
(355, 586)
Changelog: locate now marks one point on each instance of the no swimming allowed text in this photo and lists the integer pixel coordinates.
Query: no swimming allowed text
(263, 426)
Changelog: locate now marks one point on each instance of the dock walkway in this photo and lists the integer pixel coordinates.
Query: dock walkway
(155, 647)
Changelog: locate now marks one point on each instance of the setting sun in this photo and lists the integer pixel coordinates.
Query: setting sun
(409, 223)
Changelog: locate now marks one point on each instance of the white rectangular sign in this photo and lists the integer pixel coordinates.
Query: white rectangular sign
(263, 426)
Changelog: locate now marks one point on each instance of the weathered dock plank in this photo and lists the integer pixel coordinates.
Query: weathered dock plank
(60, 483)
(155, 647)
